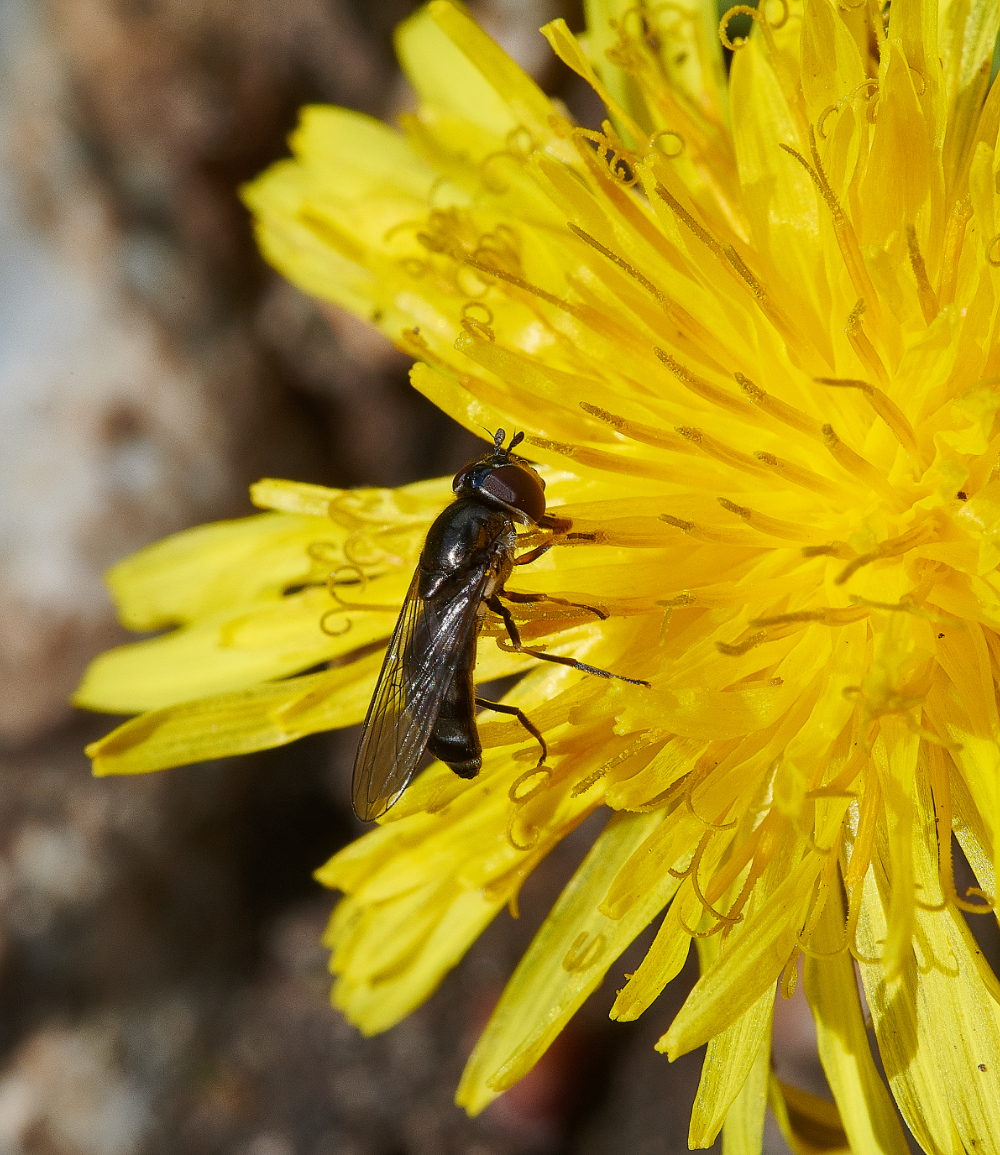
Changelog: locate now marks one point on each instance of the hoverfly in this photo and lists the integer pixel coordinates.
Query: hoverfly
(425, 697)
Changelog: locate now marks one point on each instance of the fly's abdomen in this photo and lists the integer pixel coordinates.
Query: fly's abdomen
(454, 738)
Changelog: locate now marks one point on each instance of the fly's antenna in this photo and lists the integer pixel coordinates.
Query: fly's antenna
(514, 441)
(498, 440)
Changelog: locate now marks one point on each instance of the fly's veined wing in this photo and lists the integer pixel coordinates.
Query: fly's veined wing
(426, 645)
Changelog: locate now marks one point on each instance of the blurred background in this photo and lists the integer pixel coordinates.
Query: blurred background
(162, 988)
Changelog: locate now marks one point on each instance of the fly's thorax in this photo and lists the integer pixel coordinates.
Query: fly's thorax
(466, 535)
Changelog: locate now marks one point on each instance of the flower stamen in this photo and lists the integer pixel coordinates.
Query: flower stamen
(734, 263)
(694, 779)
(838, 549)
(925, 293)
(891, 547)
(707, 391)
(861, 345)
(844, 230)
(753, 855)
(770, 310)
(883, 405)
(637, 431)
(954, 239)
(828, 616)
(723, 919)
(711, 447)
(797, 475)
(544, 776)
(738, 649)
(325, 552)
(870, 86)
(622, 264)
(912, 603)
(534, 833)
(610, 462)
(859, 468)
(643, 742)
(704, 533)
(771, 526)
(612, 154)
(780, 410)
(686, 218)
(520, 283)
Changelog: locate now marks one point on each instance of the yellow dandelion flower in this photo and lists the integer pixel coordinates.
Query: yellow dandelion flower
(750, 328)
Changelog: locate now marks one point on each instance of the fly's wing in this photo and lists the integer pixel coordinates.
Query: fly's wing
(425, 649)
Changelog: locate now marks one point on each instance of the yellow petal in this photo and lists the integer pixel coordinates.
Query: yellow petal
(937, 1025)
(901, 158)
(733, 1055)
(788, 232)
(257, 718)
(823, 35)
(379, 509)
(203, 570)
(328, 219)
(743, 1130)
(445, 76)
(809, 1125)
(694, 57)
(755, 955)
(567, 959)
(615, 95)
(866, 1110)
(228, 651)
(429, 930)
(452, 63)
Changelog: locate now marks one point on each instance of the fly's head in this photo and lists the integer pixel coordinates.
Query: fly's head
(504, 481)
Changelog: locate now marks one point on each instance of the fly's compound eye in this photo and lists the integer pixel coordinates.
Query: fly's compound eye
(517, 488)
(462, 479)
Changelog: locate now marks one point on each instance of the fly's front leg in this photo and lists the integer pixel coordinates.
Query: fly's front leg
(558, 526)
(498, 607)
(533, 599)
(503, 708)
(533, 554)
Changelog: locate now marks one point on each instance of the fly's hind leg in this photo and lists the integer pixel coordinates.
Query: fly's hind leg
(498, 607)
(526, 722)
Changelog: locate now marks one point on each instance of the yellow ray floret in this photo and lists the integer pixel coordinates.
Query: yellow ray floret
(750, 326)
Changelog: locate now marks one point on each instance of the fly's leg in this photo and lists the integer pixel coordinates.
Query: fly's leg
(502, 708)
(534, 599)
(527, 599)
(558, 526)
(533, 554)
(498, 607)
